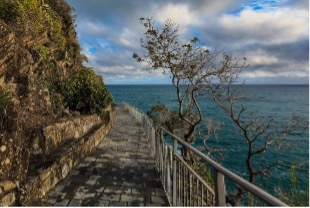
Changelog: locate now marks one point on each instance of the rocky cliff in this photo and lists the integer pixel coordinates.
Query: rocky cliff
(39, 54)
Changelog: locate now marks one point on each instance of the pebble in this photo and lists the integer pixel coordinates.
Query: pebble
(2, 148)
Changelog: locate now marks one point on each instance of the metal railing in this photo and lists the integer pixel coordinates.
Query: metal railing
(184, 187)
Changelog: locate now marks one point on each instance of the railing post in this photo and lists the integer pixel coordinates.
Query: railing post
(153, 137)
(168, 174)
(219, 184)
(149, 130)
(161, 153)
(174, 173)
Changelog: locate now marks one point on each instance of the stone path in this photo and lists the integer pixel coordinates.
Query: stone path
(121, 172)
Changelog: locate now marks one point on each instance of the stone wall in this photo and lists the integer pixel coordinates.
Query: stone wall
(56, 134)
(26, 60)
(38, 49)
(34, 188)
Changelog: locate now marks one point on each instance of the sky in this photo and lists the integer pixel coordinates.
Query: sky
(272, 34)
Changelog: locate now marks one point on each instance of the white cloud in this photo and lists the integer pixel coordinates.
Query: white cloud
(257, 74)
(271, 74)
(260, 57)
(129, 74)
(267, 26)
(284, 69)
(178, 13)
(92, 29)
(274, 39)
(126, 70)
(128, 38)
(86, 50)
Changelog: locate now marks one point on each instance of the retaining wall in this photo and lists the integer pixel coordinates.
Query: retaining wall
(12, 193)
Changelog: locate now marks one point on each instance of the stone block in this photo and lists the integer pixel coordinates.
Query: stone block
(131, 197)
(89, 195)
(91, 182)
(110, 197)
(90, 159)
(6, 186)
(91, 203)
(100, 190)
(51, 201)
(136, 204)
(62, 203)
(118, 204)
(65, 170)
(158, 200)
(7, 200)
(79, 195)
(103, 203)
(75, 203)
(116, 190)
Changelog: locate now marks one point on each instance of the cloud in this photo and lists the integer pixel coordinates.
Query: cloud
(260, 57)
(130, 75)
(92, 29)
(275, 41)
(273, 35)
(178, 13)
(297, 51)
(300, 4)
(128, 38)
(265, 27)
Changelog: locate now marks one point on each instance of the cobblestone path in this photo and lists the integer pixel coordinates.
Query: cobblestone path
(121, 172)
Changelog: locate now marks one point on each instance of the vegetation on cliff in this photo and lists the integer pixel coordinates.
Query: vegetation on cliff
(84, 91)
(42, 78)
(5, 108)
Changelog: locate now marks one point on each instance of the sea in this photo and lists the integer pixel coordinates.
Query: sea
(280, 102)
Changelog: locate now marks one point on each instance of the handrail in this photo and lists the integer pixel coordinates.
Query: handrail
(170, 170)
(193, 172)
(240, 181)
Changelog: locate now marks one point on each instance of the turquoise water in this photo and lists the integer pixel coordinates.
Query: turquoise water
(278, 101)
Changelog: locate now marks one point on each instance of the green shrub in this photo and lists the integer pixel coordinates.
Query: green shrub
(84, 91)
(87, 93)
(9, 10)
(295, 195)
(55, 82)
(35, 16)
(56, 86)
(162, 116)
(42, 54)
(63, 9)
(6, 105)
(57, 102)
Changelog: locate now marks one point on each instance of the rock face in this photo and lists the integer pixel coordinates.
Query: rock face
(30, 50)
(37, 42)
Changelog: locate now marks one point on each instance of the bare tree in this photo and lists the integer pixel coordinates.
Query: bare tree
(259, 133)
(193, 69)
